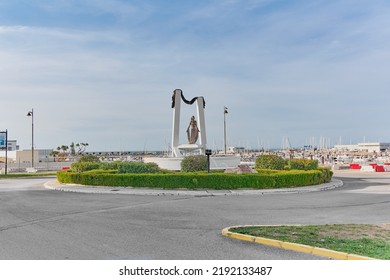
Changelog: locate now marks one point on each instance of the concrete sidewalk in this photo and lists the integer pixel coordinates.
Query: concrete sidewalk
(55, 185)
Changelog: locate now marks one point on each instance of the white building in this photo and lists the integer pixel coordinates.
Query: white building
(364, 147)
(11, 154)
(15, 155)
(12, 145)
(235, 150)
(346, 148)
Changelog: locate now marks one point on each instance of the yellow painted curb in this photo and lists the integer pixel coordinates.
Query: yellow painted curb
(293, 246)
(358, 257)
(329, 253)
(297, 247)
(269, 242)
(238, 236)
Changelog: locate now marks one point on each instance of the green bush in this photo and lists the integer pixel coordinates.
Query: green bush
(326, 173)
(68, 177)
(86, 166)
(194, 163)
(302, 164)
(137, 167)
(199, 180)
(100, 171)
(121, 167)
(88, 158)
(268, 171)
(270, 162)
(298, 178)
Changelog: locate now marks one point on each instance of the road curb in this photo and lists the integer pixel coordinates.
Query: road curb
(55, 185)
(292, 246)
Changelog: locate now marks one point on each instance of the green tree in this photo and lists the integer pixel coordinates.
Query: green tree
(72, 150)
(54, 154)
(81, 147)
(64, 151)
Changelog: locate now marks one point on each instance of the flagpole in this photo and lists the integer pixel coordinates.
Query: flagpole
(31, 114)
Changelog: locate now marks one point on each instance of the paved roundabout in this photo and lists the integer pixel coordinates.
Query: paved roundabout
(41, 223)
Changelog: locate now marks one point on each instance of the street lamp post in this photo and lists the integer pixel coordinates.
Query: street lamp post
(31, 114)
(224, 125)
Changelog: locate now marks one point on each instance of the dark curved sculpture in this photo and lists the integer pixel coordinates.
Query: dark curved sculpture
(189, 102)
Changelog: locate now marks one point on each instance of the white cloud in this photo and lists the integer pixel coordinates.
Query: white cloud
(299, 69)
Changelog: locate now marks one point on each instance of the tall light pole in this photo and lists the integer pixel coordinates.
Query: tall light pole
(225, 112)
(31, 114)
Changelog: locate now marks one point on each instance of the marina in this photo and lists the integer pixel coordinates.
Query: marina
(367, 161)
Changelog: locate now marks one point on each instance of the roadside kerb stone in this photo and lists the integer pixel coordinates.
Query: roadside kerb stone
(55, 185)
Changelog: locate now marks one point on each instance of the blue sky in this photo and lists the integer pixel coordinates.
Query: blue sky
(103, 71)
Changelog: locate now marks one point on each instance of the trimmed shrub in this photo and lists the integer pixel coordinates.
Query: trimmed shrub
(68, 177)
(267, 171)
(326, 173)
(86, 166)
(88, 158)
(311, 164)
(299, 178)
(199, 180)
(302, 164)
(121, 167)
(100, 171)
(137, 167)
(270, 162)
(194, 163)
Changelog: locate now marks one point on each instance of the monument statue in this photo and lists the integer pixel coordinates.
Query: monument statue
(196, 131)
(192, 131)
(196, 134)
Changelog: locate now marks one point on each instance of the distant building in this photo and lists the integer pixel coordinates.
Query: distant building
(235, 150)
(12, 145)
(12, 148)
(23, 156)
(364, 147)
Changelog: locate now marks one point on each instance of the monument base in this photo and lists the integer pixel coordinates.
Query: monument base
(190, 150)
(216, 163)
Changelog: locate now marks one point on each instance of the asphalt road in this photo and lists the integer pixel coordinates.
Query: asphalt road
(37, 223)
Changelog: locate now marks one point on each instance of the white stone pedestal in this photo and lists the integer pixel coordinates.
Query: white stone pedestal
(216, 163)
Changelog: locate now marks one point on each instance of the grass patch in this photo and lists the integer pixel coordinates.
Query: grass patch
(367, 240)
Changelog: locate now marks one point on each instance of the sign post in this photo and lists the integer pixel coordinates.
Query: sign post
(4, 144)
(208, 154)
